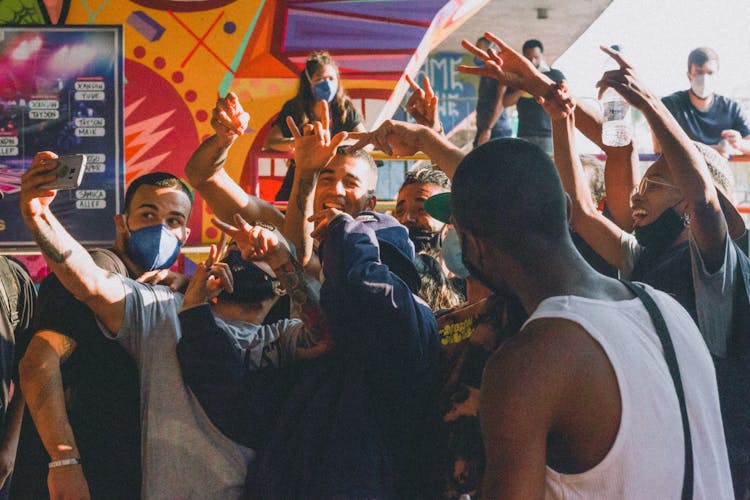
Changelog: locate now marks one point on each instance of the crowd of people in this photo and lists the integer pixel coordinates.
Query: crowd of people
(484, 340)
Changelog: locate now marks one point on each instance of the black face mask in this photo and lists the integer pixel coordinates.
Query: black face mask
(424, 240)
(477, 273)
(660, 234)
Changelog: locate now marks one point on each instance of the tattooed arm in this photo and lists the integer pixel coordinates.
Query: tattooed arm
(100, 290)
(262, 242)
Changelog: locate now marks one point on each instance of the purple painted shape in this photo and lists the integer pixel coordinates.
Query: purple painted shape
(311, 31)
(146, 25)
(375, 63)
(422, 10)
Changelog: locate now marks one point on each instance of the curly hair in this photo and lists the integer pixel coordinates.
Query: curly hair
(427, 175)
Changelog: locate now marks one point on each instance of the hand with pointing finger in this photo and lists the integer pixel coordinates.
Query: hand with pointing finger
(625, 82)
(423, 104)
(257, 242)
(228, 119)
(392, 137)
(314, 147)
(321, 220)
(514, 70)
(210, 279)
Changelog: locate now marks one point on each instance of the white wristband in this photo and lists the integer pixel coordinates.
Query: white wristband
(64, 462)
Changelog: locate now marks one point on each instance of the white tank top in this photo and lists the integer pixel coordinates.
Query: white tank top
(647, 457)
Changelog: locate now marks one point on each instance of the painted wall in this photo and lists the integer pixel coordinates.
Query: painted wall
(181, 54)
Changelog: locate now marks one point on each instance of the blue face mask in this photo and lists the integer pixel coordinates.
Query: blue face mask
(325, 90)
(451, 251)
(478, 61)
(153, 247)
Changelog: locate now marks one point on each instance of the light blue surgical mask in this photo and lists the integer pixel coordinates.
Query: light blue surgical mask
(325, 90)
(153, 247)
(451, 251)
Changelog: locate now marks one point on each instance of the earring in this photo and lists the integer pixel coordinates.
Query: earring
(686, 219)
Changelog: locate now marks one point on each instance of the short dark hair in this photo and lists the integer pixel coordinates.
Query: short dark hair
(508, 191)
(531, 44)
(427, 175)
(159, 179)
(483, 39)
(701, 56)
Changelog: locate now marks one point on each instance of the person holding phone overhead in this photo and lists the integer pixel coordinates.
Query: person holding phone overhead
(319, 81)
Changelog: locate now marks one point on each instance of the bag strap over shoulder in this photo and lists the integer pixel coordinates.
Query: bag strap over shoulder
(9, 291)
(674, 370)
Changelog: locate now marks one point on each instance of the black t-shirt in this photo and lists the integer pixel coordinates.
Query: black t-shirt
(486, 99)
(532, 119)
(102, 398)
(706, 127)
(353, 118)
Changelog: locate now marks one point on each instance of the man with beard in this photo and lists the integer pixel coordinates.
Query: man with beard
(82, 389)
(339, 180)
(684, 226)
(183, 453)
(560, 403)
(425, 231)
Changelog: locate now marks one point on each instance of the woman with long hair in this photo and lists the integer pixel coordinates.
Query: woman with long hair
(319, 81)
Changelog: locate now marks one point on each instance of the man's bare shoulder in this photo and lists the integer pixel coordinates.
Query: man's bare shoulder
(549, 357)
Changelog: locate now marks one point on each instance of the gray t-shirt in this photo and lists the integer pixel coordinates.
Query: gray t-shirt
(183, 454)
(714, 292)
(267, 345)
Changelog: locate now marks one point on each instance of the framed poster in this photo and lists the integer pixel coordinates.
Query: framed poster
(61, 91)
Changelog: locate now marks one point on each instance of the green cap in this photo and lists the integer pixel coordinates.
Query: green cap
(439, 207)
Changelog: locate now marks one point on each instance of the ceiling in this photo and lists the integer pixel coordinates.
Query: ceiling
(515, 22)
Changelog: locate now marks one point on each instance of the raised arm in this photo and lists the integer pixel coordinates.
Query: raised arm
(598, 231)
(512, 69)
(206, 173)
(100, 290)
(686, 165)
(265, 244)
(313, 149)
(404, 139)
(423, 105)
(622, 170)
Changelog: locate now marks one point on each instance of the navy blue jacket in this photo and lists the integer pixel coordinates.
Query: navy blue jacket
(356, 421)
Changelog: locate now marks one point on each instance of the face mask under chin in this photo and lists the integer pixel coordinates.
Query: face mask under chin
(424, 240)
(661, 233)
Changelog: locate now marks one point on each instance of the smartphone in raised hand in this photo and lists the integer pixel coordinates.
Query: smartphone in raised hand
(70, 170)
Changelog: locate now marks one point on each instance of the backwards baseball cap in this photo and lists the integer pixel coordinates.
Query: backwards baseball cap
(252, 283)
(396, 249)
(439, 207)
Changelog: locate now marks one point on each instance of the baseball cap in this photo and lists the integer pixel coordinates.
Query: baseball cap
(251, 283)
(439, 207)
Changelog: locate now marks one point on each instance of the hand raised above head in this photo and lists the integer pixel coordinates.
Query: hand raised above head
(314, 147)
(228, 119)
(625, 82)
(506, 66)
(558, 103)
(256, 241)
(35, 199)
(392, 137)
(423, 104)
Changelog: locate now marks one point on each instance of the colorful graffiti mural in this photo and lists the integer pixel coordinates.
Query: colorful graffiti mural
(181, 54)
